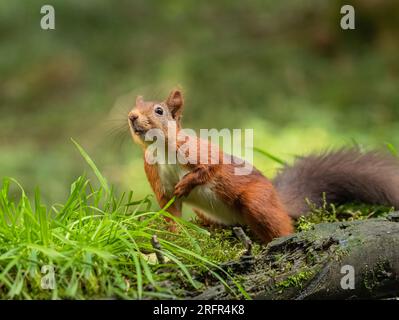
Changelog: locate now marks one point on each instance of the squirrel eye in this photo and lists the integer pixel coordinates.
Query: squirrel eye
(159, 110)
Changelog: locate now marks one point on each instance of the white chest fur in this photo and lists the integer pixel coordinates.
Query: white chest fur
(170, 175)
(201, 197)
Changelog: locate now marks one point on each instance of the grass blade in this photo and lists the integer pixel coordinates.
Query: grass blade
(270, 156)
(93, 166)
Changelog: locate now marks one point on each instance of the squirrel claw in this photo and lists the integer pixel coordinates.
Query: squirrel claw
(181, 190)
(179, 193)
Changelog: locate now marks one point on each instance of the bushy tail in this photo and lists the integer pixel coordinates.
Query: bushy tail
(346, 175)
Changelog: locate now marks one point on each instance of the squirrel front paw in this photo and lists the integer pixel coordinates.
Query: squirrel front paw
(182, 189)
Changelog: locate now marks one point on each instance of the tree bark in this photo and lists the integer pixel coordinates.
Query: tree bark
(314, 264)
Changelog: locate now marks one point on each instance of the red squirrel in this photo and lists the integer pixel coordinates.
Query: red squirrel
(220, 196)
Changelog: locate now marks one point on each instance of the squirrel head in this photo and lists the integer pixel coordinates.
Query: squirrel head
(147, 115)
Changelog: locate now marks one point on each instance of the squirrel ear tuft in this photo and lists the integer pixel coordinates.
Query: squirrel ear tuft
(175, 102)
(139, 101)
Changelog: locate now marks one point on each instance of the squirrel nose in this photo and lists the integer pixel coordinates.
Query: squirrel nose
(133, 116)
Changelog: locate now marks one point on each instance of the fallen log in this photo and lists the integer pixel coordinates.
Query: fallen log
(340, 260)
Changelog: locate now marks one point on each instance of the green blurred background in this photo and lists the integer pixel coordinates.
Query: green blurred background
(284, 68)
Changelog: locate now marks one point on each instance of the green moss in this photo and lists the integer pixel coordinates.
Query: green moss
(304, 224)
(296, 280)
(220, 245)
(328, 212)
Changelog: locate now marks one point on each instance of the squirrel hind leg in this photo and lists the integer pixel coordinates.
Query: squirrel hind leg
(205, 221)
(268, 225)
(267, 218)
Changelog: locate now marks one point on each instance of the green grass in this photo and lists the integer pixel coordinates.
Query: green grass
(98, 243)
